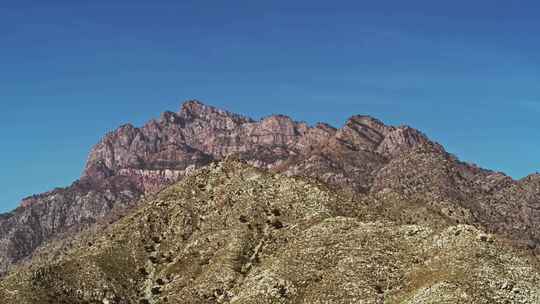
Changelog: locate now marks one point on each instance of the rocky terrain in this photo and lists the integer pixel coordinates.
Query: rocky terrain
(404, 178)
(231, 233)
(131, 162)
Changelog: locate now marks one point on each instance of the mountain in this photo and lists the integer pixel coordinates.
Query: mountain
(231, 233)
(365, 158)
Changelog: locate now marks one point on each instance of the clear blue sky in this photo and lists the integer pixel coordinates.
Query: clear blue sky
(464, 72)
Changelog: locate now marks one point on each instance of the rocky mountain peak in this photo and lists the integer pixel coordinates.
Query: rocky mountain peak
(195, 110)
(367, 121)
(281, 124)
(365, 157)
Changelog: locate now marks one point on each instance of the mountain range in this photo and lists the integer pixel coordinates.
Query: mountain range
(207, 206)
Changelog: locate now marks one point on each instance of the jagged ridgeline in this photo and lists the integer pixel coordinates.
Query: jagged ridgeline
(232, 233)
(131, 162)
(364, 213)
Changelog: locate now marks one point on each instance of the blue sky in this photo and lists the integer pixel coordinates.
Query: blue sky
(464, 72)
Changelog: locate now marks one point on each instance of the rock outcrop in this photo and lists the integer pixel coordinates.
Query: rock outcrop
(199, 133)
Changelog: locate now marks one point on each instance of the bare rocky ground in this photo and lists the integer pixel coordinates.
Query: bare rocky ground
(231, 233)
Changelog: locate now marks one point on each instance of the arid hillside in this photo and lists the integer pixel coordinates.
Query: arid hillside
(231, 233)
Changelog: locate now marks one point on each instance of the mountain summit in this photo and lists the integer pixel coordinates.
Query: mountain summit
(365, 158)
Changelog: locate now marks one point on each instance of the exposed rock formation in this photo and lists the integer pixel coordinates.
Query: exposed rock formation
(200, 133)
(365, 157)
(43, 217)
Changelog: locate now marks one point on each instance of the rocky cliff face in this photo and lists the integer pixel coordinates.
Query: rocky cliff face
(62, 211)
(365, 157)
(199, 133)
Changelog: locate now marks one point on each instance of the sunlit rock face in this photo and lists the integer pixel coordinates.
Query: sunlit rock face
(364, 157)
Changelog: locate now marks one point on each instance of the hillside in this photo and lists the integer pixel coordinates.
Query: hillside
(231, 233)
